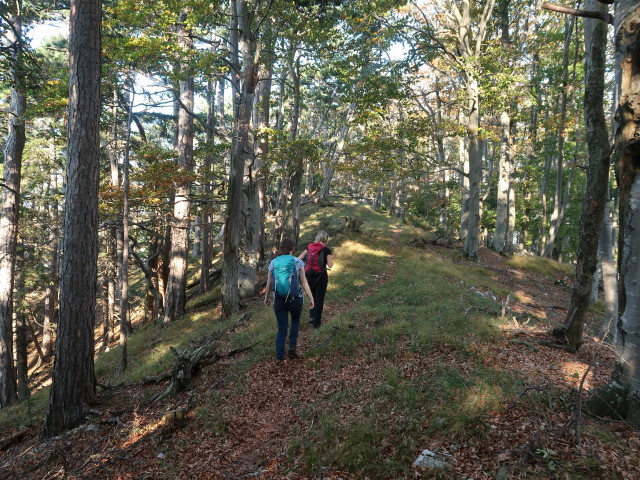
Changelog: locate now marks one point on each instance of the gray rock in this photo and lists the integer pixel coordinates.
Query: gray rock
(429, 459)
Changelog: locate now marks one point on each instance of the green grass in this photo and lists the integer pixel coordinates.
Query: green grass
(542, 265)
(415, 311)
(425, 302)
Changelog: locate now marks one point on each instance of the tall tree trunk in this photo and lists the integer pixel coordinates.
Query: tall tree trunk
(296, 165)
(73, 386)
(511, 222)
(463, 155)
(597, 177)
(114, 242)
(51, 290)
(620, 397)
(207, 190)
(261, 148)
(125, 319)
(14, 147)
(470, 249)
(281, 213)
(337, 152)
(557, 215)
(105, 280)
(609, 332)
(241, 151)
(175, 293)
(504, 184)
(22, 367)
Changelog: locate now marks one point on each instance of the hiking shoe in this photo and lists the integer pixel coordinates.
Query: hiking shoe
(292, 353)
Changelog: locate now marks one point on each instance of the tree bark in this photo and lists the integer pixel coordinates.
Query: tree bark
(609, 332)
(597, 178)
(73, 386)
(241, 150)
(504, 183)
(470, 249)
(14, 148)
(558, 214)
(125, 319)
(51, 290)
(620, 397)
(22, 367)
(175, 293)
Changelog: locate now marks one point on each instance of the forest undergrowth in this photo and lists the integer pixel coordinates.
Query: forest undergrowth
(420, 349)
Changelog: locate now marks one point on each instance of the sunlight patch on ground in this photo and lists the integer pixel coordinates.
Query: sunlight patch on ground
(481, 397)
(575, 371)
(360, 249)
(140, 431)
(514, 328)
(524, 297)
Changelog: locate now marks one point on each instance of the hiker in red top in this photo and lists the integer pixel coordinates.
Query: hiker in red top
(319, 260)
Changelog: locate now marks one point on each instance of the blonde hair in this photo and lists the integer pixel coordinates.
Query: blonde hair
(322, 236)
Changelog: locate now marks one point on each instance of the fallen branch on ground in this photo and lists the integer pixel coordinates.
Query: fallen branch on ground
(14, 438)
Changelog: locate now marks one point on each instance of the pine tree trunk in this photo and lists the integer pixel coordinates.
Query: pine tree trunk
(51, 290)
(22, 367)
(13, 150)
(73, 385)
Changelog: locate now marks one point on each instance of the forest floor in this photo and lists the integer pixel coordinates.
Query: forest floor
(270, 420)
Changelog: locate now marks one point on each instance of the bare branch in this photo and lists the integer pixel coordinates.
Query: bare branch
(604, 16)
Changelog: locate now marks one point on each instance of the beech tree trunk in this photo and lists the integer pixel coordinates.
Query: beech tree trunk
(504, 187)
(73, 385)
(262, 111)
(240, 151)
(470, 249)
(609, 332)
(621, 397)
(175, 293)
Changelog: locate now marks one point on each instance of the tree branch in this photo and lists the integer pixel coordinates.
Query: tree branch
(604, 16)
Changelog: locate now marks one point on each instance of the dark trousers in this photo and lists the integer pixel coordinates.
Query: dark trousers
(318, 284)
(282, 310)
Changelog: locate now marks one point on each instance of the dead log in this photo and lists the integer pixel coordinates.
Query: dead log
(14, 438)
(353, 223)
(188, 363)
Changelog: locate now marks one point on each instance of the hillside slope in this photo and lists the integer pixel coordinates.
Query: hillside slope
(420, 350)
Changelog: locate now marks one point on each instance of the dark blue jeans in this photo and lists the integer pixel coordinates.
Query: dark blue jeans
(282, 310)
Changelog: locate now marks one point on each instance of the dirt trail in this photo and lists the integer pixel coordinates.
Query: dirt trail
(266, 413)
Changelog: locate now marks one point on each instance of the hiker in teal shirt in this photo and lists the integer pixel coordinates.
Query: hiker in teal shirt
(287, 280)
(319, 260)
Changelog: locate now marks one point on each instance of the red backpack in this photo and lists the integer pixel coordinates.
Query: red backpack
(315, 258)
